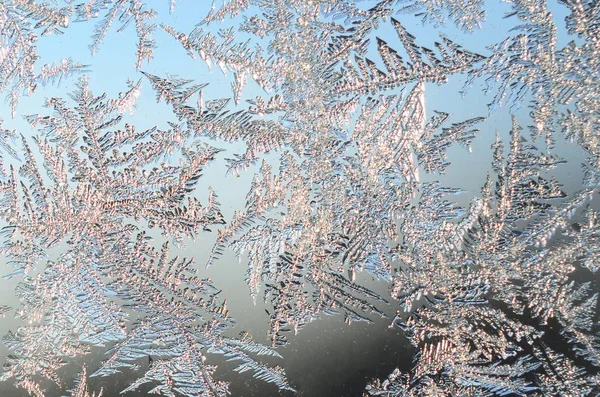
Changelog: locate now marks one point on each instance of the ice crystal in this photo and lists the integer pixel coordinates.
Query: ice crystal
(21, 24)
(97, 185)
(329, 209)
(81, 389)
(125, 11)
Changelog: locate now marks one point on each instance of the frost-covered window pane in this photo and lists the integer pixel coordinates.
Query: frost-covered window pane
(311, 197)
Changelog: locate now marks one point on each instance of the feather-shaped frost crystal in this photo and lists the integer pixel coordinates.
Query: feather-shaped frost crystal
(95, 187)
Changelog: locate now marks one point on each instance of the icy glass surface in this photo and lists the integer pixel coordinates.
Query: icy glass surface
(299, 197)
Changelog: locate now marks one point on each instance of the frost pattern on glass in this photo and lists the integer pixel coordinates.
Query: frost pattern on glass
(350, 160)
(497, 292)
(81, 389)
(98, 184)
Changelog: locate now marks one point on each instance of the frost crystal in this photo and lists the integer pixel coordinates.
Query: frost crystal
(351, 157)
(95, 188)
